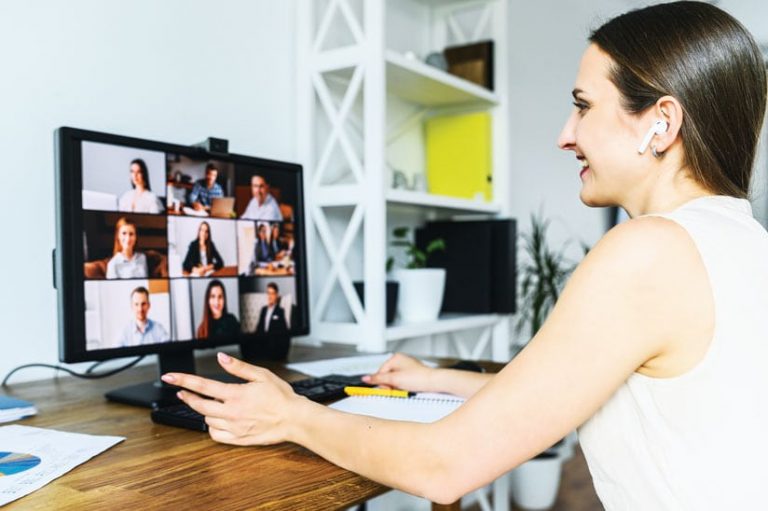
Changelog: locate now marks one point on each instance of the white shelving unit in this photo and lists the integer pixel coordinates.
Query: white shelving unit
(422, 84)
(361, 95)
(356, 82)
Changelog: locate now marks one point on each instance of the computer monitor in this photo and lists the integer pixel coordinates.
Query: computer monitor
(165, 248)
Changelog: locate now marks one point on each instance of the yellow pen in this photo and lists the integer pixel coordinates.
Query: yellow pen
(368, 391)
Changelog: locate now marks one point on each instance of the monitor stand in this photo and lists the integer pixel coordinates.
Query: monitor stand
(153, 394)
(272, 348)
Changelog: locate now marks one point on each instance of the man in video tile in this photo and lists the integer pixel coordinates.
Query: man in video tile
(262, 251)
(272, 316)
(262, 206)
(141, 330)
(206, 189)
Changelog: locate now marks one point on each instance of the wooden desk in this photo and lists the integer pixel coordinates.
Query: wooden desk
(161, 467)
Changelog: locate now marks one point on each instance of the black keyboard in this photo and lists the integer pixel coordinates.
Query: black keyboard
(322, 389)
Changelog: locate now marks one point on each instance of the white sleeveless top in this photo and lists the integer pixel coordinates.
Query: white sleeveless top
(698, 441)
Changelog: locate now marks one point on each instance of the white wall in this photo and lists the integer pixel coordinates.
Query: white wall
(176, 71)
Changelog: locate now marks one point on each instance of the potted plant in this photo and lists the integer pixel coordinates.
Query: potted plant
(542, 276)
(392, 291)
(535, 484)
(421, 288)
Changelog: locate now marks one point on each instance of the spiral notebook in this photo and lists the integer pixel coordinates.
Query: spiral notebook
(423, 407)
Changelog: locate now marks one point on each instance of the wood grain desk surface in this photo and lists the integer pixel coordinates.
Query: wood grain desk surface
(162, 467)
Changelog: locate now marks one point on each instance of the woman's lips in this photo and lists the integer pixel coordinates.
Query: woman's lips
(584, 166)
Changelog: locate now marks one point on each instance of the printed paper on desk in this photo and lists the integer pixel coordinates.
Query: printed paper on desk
(423, 407)
(31, 457)
(347, 366)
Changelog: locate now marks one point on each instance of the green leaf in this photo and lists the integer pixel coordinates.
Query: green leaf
(438, 244)
(400, 232)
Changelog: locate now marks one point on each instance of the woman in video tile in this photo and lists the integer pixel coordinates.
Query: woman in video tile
(140, 198)
(202, 257)
(217, 322)
(126, 263)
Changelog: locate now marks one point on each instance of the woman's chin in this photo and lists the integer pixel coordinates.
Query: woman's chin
(594, 201)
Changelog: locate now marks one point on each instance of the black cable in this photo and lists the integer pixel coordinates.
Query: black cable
(94, 366)
(87, 375)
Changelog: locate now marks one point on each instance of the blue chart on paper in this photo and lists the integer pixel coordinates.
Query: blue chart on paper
(14, 462)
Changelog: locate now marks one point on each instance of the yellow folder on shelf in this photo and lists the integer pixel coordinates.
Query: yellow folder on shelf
(459, 155)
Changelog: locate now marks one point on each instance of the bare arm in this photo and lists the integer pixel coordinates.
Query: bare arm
(637, 292)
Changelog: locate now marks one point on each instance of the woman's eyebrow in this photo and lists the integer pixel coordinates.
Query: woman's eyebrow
(575, 93)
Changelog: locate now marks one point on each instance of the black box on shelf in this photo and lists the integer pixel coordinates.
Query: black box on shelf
(473, 62)
(480, 263)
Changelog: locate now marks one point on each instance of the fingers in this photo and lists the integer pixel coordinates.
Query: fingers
(204, 386)
(390, 364)
(240, 369)
(217, 423)
(203, 406)
(222, 436)
(380, 379)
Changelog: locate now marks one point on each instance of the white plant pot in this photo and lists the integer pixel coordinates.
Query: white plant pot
(421, 293)
(535, 483)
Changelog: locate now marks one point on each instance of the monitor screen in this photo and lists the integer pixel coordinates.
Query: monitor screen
(164, 247)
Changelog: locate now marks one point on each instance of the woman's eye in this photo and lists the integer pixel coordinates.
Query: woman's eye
(580, 106)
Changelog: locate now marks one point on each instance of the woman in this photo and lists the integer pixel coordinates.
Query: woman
(217, 322)
(657, 346)
(126, 262)
(202, 256)
(140, 198)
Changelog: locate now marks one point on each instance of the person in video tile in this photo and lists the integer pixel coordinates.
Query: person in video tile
(202, 257)
(217, 322)
(262, 251)
(279, 247)
(262, 205)
(140, 198)
(206, 189)
(141, 330)
(126, 263)
(272, 316)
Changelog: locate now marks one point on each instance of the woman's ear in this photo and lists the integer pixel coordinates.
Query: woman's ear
(668, 109)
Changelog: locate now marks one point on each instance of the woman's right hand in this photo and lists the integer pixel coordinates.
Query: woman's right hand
(402, 372)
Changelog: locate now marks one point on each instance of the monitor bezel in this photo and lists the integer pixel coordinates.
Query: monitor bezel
(69, 276)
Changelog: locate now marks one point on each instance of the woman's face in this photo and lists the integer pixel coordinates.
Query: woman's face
(216, 302)
(203, 233)
(127, 237)
(262, 233)
(603, 135)
(136, 177)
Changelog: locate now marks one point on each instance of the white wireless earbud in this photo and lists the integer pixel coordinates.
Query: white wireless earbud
(658, 127)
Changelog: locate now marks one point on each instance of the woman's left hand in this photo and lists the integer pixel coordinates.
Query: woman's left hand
(253, 413)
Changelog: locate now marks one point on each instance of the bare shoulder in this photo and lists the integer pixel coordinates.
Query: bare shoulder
(648, 248)
(648, 276)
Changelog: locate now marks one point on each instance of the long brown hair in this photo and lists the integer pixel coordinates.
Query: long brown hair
(204, 328)
(144, 173)
(123, 221)
(710, 63)
(208, 242)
